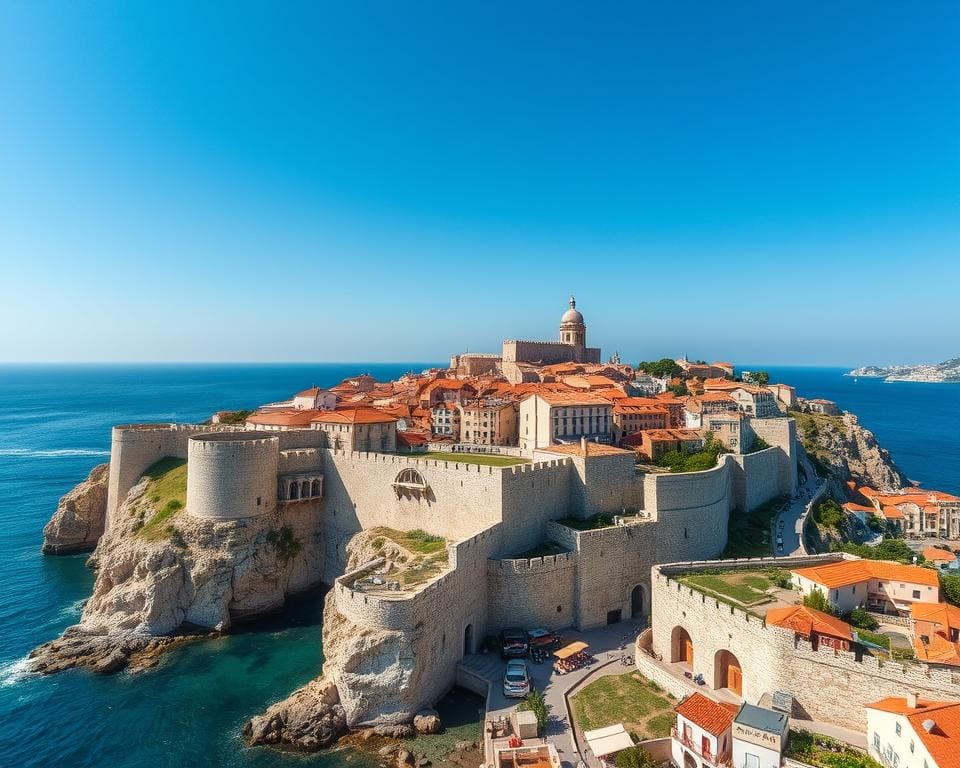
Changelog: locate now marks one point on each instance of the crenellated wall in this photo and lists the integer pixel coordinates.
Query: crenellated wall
(826, 685)
(231, 476)
(532, 592)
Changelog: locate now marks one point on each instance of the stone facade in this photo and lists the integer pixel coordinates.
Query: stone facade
(232, 475)
(826, 684)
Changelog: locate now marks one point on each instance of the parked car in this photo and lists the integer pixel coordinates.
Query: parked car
(516, 680)
(514, 644)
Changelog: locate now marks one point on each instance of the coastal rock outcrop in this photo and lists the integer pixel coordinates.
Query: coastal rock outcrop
(311, 718)
(848, 450)
(78, 523)
(176, 575)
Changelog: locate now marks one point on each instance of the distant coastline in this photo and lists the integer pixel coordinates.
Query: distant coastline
(947, 372)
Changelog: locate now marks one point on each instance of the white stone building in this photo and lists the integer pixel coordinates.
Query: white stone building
(701, 737)
(910, 732)
(548, 417)
(759, 736)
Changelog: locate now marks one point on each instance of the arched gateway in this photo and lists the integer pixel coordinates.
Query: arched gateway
(681, 647)
(727, 672)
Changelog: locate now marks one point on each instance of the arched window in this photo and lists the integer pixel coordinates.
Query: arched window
(315, 488)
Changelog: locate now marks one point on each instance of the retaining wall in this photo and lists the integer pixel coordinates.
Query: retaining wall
(534, 592)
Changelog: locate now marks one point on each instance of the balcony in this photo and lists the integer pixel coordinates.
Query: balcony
(721, 761)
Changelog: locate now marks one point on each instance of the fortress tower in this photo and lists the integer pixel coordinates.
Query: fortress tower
(572, 328)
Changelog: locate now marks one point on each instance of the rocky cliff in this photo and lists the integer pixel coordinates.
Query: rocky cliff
(77, 525)
(176, 574)
(846, 450)
(373, 672)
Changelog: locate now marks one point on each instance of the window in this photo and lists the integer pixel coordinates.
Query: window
(753, 761)
(916, 594)
(911, 746)
(876, 741)
(898, 729)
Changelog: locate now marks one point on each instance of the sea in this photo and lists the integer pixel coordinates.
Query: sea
(188, 711)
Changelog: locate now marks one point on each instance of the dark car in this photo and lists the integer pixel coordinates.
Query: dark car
(514, 644)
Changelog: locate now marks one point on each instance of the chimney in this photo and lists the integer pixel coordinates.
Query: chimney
(583, 445)
(911, 701)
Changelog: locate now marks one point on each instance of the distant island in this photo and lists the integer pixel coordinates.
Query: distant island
(947, 372)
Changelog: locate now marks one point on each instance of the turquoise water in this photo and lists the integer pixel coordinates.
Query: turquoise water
(55, 425)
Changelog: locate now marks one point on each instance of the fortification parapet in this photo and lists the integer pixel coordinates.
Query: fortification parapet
(232, 476)
(134, 447)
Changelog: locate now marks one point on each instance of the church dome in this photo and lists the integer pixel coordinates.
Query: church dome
(572, 315)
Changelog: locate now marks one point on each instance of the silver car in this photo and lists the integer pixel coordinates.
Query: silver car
(516, 680)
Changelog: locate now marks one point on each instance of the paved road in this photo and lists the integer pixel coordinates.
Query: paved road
(789, 523)
(604, 644)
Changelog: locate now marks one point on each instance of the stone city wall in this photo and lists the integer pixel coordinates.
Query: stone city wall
(135, 447)
(533, 494)
(440, 623)
(826, 685)
(532, 592)
(300, 460)
(231, 475)
(781, 433)
(757, 478)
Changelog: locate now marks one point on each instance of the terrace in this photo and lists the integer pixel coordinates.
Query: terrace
(406, 562)
(755, 590)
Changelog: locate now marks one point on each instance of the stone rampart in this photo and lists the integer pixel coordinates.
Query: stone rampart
(532, 495)
(781, 433)
(439, 622)
(532, 592)
(757, 478)
(300, 460)
(232, 475)
(826, 684)
(135, 447)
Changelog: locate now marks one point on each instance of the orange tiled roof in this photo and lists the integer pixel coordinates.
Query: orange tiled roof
(806, 621)
(571, 398)
(714, 718)
(671, 434)
(848, 572)
(285, 418)
(593, 449)
(942, 738)
(939, 555)
(892, 513)
(851, 507)
(941, 613)
(360, 415)
(312, 392)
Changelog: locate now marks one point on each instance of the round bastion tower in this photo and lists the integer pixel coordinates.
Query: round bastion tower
(232, 475)
(572, 328)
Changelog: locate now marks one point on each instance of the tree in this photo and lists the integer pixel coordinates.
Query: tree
(829, 514)
(862, 619)
(951, 587)
(634, 757)
(679, 389)
(760, 378)
(662, 368)
(818, 601)
(536, 703)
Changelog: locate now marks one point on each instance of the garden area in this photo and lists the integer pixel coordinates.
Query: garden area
(643, 707)
(413, 558)
(694, 461)
(745, 588)
(486, 459)
(824, 752)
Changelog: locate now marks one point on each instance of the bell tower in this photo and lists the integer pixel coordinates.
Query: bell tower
(573, 330)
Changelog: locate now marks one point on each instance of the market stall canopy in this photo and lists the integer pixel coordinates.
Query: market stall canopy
(606, 741)
(568, 650)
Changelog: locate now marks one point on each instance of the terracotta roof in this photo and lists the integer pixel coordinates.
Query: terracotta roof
(593, 449)
(571, 398)
(939, 555)
(942, 738)
(938, 649)
(312, 392)
(892, 513)
(669, 435)
(806, 621)
(285, 418)
(851, 507)
(714, 718)
(361, 415)
(942, 613)
(848, 572)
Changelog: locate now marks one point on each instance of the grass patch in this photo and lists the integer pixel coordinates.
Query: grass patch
(428, 554)
(542, 550)
(486, 459)
(749, 535)
(417, 540)
(872, 637)
(234, 417)
(167, 492)
(626, 699)
(745, 587)
(587, 523)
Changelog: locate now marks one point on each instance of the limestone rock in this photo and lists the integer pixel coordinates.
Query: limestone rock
(427, 721)
(404, 758)
(310, 719)
(78, 523)
(149, 588)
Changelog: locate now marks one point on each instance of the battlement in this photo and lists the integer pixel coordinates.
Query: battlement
(544, 564)
(537, 466)
(231, 441)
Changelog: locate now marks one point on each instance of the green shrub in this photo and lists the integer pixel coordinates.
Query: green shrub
(634, 757)
(829, 514)
(536, 703)
(862, 619)
(285, 543)
(872, 637)
(818, 601)
(951, 587)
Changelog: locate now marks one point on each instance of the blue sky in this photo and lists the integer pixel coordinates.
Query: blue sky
(399, 181)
